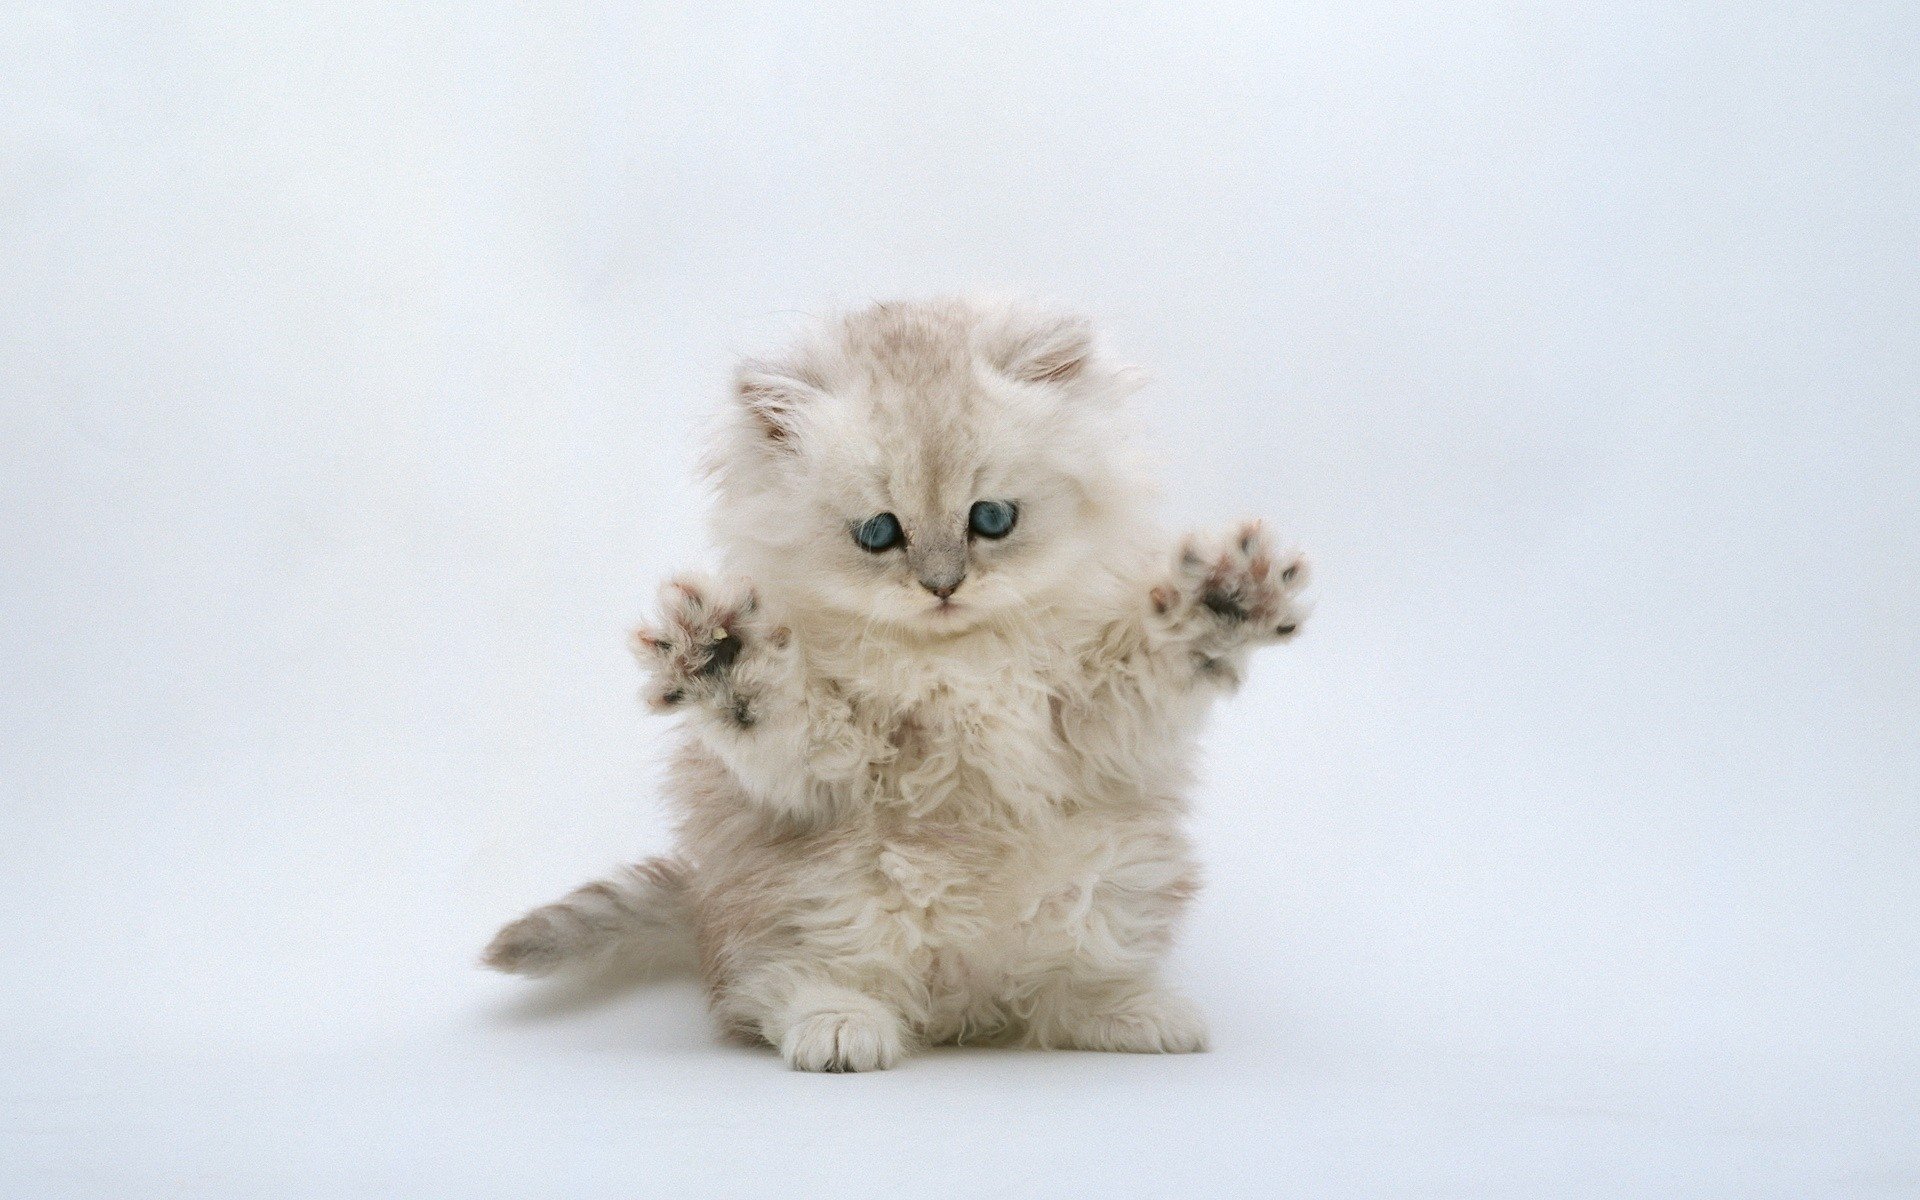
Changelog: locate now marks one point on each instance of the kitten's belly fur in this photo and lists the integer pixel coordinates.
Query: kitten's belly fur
(983, 917)
(981, 861)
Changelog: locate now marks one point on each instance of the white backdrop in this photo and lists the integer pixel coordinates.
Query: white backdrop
(354, 359)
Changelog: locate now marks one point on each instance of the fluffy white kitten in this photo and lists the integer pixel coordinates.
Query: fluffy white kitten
(930, 784)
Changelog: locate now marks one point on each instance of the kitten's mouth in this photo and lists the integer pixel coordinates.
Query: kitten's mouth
(945, 610)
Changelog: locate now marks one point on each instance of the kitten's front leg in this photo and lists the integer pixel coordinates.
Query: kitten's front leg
(1225, 596)
(715, 655)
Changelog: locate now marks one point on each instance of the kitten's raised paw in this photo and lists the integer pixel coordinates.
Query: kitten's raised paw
(704, 629)
(1240, 584)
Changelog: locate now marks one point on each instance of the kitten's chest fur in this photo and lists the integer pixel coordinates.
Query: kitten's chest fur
(972, 837)
(968, 740)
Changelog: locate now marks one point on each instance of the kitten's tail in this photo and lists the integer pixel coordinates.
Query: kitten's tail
(640, 915)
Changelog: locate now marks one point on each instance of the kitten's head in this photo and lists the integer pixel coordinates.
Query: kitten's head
(925, 468)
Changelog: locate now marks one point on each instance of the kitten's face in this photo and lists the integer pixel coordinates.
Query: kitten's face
(924, 489)
(936, 530)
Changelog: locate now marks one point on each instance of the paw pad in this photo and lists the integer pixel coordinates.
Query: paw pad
(691, 651)
(1240, 580)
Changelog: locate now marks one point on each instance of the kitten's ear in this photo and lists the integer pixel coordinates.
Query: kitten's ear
(773, 396)
(1044, 348)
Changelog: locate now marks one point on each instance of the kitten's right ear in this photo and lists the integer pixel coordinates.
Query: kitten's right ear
(773, 396)
(1037, 347)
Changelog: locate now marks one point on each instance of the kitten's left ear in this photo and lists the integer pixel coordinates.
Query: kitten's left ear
(773, 397)
(1044, 348)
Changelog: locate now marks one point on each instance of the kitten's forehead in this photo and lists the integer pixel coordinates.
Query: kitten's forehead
(923, 407)
(919, 389)
(929, 441)
(915, 345)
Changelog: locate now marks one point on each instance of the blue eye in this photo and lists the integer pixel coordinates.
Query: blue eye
(878, 533)
(992, 518)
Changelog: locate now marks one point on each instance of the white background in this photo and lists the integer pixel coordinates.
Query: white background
(354, 359)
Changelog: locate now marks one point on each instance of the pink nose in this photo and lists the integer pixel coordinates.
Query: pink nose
(941, 588)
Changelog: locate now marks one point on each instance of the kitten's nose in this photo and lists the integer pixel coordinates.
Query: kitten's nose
(939, 562)
(943, 587)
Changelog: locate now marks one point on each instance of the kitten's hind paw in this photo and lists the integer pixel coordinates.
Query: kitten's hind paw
(842, 1042)
(694, 651)
(837, 1029)
(1154, 1023)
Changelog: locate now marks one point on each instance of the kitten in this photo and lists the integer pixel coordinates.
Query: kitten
(930, 784)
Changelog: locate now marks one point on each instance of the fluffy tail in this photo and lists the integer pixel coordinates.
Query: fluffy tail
(639, 916)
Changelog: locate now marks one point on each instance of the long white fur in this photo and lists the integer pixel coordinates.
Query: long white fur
(905, 821)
